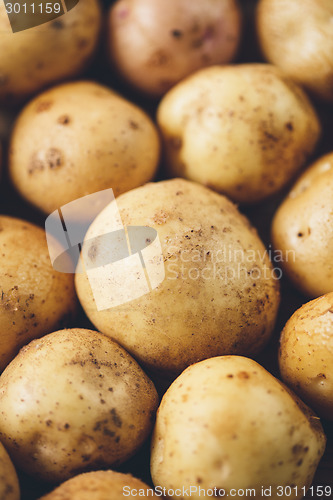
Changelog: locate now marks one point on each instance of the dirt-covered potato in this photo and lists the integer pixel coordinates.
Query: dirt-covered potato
(9, 485)
(154, 44)
(306, 354)
(228, 424)
(242, 130)
(79, 138)
(36, 57)
(302, 230)
(297, 36)
(34, 298)
(100, 485)
(219, 294)
(74, 401)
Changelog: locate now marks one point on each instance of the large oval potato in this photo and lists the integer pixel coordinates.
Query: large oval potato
(9, 485)
(297, 36)
(306, 354)
(34, 298)
(74, 401)
(302, 230)
(243, 130)
(59, 49)
(62, 150)
(155, 44)
(226, 424)
(219, 294)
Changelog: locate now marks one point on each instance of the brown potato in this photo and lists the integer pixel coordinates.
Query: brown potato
(9, 485)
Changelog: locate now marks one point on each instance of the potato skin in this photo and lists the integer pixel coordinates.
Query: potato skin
(242, 130)
(40, 56)
(107, 143)
(9, 485)
(302, 230)
(74, 401)
(154, 45)
(219, 295)
(98, 485)
(297, 36)
(306, 354)
(228, 423)
(34, 298)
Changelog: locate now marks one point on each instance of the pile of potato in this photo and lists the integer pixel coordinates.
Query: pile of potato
(211, 121)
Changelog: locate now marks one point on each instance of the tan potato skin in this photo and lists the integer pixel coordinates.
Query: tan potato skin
(68, 150)
(34, 298)
(228, 423)
(302, 229)
(306, 354)
(210, 302)
(74, 401)
(9, 485)
(99, 485)
(297, 36)
(40, 56)
(242, 130)
(154, 44)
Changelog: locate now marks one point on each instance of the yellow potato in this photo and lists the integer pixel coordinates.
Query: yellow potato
(74, 401)
(302, 230)
(226, 424)
(244, 130)
(306, 354)
(79, 138)
(40, 56)
(297, 36)
(9, 485)
(219, 294)
(34, 298)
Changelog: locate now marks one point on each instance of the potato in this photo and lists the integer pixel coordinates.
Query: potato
(40, 56)
(242, 130)
(297, 36)
(227, 424)
(66, 150)
(73, 401)
(306, 354)
(154, 44)
(9, 485)
(302, 230)
(34, 298)
(100, 485)
(219, 294)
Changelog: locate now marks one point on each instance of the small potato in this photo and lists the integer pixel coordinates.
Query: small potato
(306, 354)
(226, 424)
(100, 485)
(9, 485)
(297, 36)
(34, 298)
(40, 56)
(154, 44)
(243, 130)
(302, 230)
(77, 139)
(74, 401)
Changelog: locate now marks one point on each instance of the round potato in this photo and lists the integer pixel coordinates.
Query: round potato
(73, 401)
(61, 150)
(219, 293)
(34, 298)
(242, 130)
(155, 44)
(36, 57)
(302, 230)
(100, 485)
(297, 36)
(227, 424)
(306, 354)
(9, 485)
